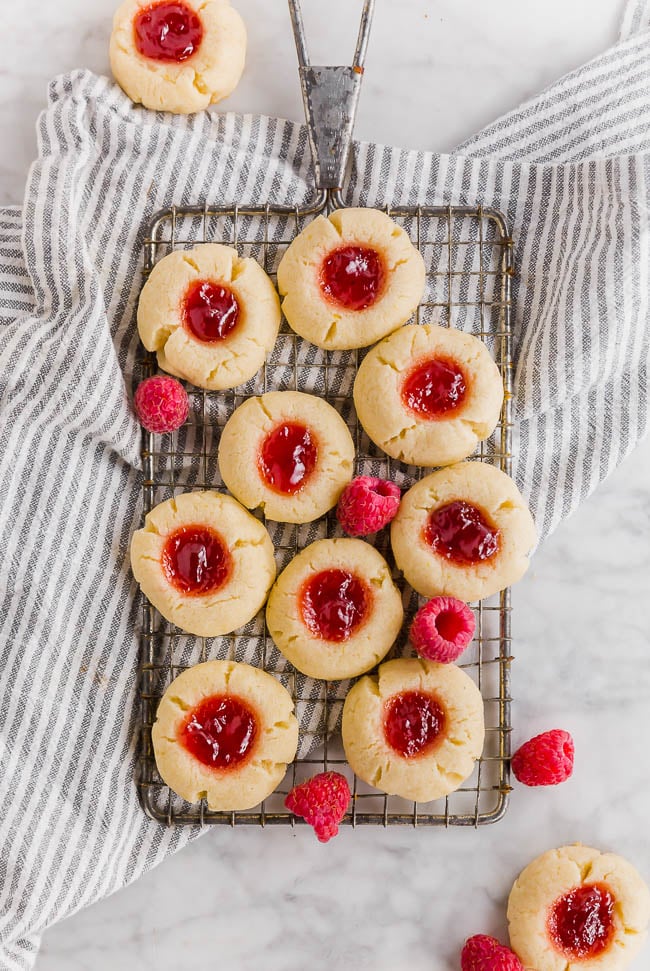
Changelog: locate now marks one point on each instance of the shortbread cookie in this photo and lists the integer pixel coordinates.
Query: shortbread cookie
(350, 278)
(211, 315)
(204, 562)
(224, 732)
(177, 56)
(335, 612)
(415, 730)
(577, 909)
(464, 532)
(288, 453)
(427, 395)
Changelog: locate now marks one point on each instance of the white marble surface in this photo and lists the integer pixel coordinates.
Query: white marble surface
(396, 899)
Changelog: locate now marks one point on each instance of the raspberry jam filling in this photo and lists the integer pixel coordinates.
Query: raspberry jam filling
(334, 603)
(462, 533)
(434, 388)
(288, 457)
(195, 560)
(210, 311)
(220, 731)
(413, 722)
(353, 276)
(167, 32)
(581, 923)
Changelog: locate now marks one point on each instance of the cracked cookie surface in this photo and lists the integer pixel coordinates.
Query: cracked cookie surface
(224, 731)
(288, 453)
(211, 316)
(577, 909)
(334, 611)
(204, 562)
(427, 394)
(464, 531)
(381, 276)
(415, 729)
(198, 75)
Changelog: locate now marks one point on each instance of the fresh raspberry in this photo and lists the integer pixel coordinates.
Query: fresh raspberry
(483, 953)
(367, 504)
(322, 801)
(442, 629)
(161, 404)
(545, 760)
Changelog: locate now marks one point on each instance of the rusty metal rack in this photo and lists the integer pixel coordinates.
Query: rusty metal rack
(469, 263)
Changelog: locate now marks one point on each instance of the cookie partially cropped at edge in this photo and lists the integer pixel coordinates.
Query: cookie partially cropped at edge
(464, 531)
(350, 278)
(334, 611)
(288, 453)
(204, 562)
(211, 315)
(579, 909)
(415, 729)
(177, 56)
(428, 395)
(224, 731)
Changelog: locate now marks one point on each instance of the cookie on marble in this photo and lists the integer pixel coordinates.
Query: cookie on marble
(204, 562)
(334, 611)
(224, 732)
(428, 395)
(177, 56)
(415, 729)
(210, 315)
(577, 909)
(350, 278)
(464, 531)
(288, 453)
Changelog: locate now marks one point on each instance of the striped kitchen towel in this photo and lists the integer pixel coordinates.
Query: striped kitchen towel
(571, 169)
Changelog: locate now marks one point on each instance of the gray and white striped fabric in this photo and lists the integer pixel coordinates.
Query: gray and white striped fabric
(571, 169)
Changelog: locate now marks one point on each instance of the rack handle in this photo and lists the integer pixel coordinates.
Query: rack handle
(330, 95)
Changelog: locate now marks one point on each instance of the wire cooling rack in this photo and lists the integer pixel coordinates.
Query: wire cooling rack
(468, 258)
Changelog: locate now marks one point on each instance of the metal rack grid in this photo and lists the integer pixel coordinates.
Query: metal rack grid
(468, 256)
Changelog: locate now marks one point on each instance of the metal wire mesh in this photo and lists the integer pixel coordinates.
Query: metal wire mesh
(468, 257)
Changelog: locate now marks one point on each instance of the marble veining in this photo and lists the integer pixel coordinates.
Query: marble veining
(397, 899)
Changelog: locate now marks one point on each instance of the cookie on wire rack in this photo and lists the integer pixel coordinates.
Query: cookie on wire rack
(428, 395)
(210, 315)
(334, 611)
(350, 278)
(288, 453)
(224, 732)
(204, 562)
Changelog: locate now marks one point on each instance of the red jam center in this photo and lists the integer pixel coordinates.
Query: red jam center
(581, 923)
(334, 603)
(288, 457)
(413, 722)
(196, 560)
(220, 731)
(353, 276)
(434, 388)
(460, 532)
(210, 311)
(167, 31)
